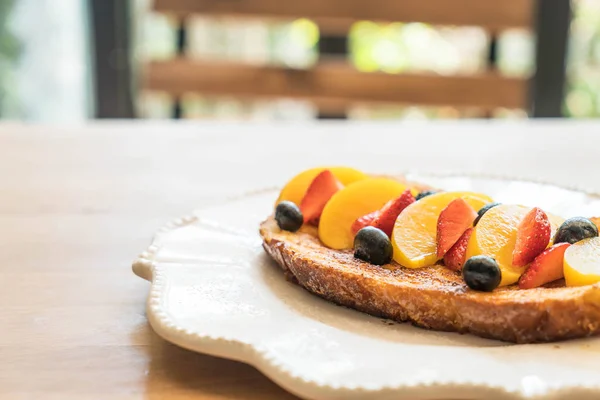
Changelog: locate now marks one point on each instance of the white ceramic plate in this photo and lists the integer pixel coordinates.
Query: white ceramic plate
(215, 291)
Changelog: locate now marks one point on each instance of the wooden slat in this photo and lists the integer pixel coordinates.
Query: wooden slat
(487, 13)
(335, 83)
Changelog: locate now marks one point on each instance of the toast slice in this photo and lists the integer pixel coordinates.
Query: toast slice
(433, 297)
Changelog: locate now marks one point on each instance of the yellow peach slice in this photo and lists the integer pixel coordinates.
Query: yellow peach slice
(582, 263)
(496, 234)
(355, 200)
(296, 188)
(415, 230)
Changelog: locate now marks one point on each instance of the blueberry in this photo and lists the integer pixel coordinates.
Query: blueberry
(288, 216)
(482, 273)
(425, 194)
(483, 210)
(575, 229)
(373, 245)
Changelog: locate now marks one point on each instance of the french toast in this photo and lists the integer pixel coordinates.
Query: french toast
(537, 308)
(433, 297)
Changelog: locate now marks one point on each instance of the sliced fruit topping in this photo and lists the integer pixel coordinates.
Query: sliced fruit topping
(318, 194)
(483, 210)
(296, 188)
(288, 216)
(365, 220)
(582, 263)
(482, 273)
(496, 236)
(415, 232)
(547, 267)
(385, 218)
(357, 199)
(533, 236)
(454, 220)
(455, 257)
(575, 229)
(425, 194)
(373, 245)
(389, 213)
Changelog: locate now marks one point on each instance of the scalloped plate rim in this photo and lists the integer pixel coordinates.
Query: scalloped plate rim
(234, 349)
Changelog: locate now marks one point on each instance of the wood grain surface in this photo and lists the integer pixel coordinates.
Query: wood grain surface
(75, 210)
(78, 203)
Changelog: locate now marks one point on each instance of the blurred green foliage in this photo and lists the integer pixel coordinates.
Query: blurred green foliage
(9, 45)
(10, 49)
(582, 98)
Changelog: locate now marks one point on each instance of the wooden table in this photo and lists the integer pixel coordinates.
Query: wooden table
(78, 203)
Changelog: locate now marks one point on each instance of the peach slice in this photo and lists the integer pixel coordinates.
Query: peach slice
(582, 263)
(296, 188)
(355, 200)
(495, 235)
(415, 231)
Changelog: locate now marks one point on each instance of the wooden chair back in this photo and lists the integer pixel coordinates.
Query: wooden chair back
(334, 84)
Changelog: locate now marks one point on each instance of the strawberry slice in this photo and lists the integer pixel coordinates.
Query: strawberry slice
(533, 236)
(454, 220)
(317, 195)
(389, 213)
(455, 257)
(365, 220)
(546, 267)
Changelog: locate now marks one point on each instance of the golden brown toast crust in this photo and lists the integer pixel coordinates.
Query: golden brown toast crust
(433, 297)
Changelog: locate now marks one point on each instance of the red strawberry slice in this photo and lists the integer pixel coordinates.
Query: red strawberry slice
(389, 213)
(455, 257)
(318, 194)
(547, 267)
(533, 236)
(365, 220)
(454, 220)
